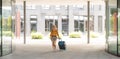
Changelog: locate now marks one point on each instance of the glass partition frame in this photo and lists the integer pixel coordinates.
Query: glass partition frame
(113, 27)
(6, 34)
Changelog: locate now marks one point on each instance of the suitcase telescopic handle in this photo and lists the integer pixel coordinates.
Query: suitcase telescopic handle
(60, 39)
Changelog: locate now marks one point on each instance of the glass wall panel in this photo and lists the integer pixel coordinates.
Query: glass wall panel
(119, 31)
(112, 38)
(6, 27)
(0, 28)
(118, 5)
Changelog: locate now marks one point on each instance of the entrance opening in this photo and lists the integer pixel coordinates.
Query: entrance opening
(70, 19)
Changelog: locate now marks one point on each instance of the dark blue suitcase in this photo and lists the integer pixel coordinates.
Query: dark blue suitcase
(62, 45)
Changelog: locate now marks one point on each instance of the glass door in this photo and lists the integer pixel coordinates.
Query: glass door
(0, 29)
(50, 25)
(64, 26)
(118, 5)
(119, 31)
(7, 33)
(79, 25)
(112, 38)
(33, 22)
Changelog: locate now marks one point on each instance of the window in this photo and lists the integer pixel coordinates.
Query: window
(91, 23)
(33, 18)
(75, 17)
(22, 24)
(64, 17)
(79, 17)
(46, 17)
(79, 23)
(65, 25)
(49, 20)
(55, 17)
(33, 21)
(76, 25)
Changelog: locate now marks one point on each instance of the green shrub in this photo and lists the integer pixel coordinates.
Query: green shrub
(93, 34)
(36, 35)
(61, 35)
(75, 35)
(8, 33)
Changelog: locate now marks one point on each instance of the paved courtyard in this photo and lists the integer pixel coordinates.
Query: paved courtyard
(76, 49)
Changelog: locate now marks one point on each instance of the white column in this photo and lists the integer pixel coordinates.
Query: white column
(39, 22)
(28, 25)
(42, 24)
(60, 23)
(103, 24)
(95, 23)
(71, 20)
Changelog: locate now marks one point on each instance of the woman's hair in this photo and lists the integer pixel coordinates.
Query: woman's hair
(54, 26)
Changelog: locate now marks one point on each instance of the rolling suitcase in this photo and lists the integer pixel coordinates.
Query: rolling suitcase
(62, 45)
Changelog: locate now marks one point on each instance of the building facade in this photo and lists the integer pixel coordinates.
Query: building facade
(68, 18)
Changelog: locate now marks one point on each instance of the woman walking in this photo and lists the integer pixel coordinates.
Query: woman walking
(53, 36)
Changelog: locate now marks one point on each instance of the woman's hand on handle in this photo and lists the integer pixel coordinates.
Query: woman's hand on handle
(59, 38)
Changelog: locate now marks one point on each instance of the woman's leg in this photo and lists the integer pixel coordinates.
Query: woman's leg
(54, 44)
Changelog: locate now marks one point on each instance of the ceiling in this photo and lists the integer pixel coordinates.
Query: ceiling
(55, 2)
(6, 2)
(62, 2)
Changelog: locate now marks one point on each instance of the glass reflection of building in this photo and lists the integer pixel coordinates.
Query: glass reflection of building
(113, 27)
(6, 27)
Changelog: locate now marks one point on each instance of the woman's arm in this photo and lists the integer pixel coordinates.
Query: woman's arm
(58, 34)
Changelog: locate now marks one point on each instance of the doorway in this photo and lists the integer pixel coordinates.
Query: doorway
(49, 23)
(48, 13)
(79, 25)
(65, 26)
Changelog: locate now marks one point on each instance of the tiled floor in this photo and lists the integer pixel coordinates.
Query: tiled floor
(41, 49)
